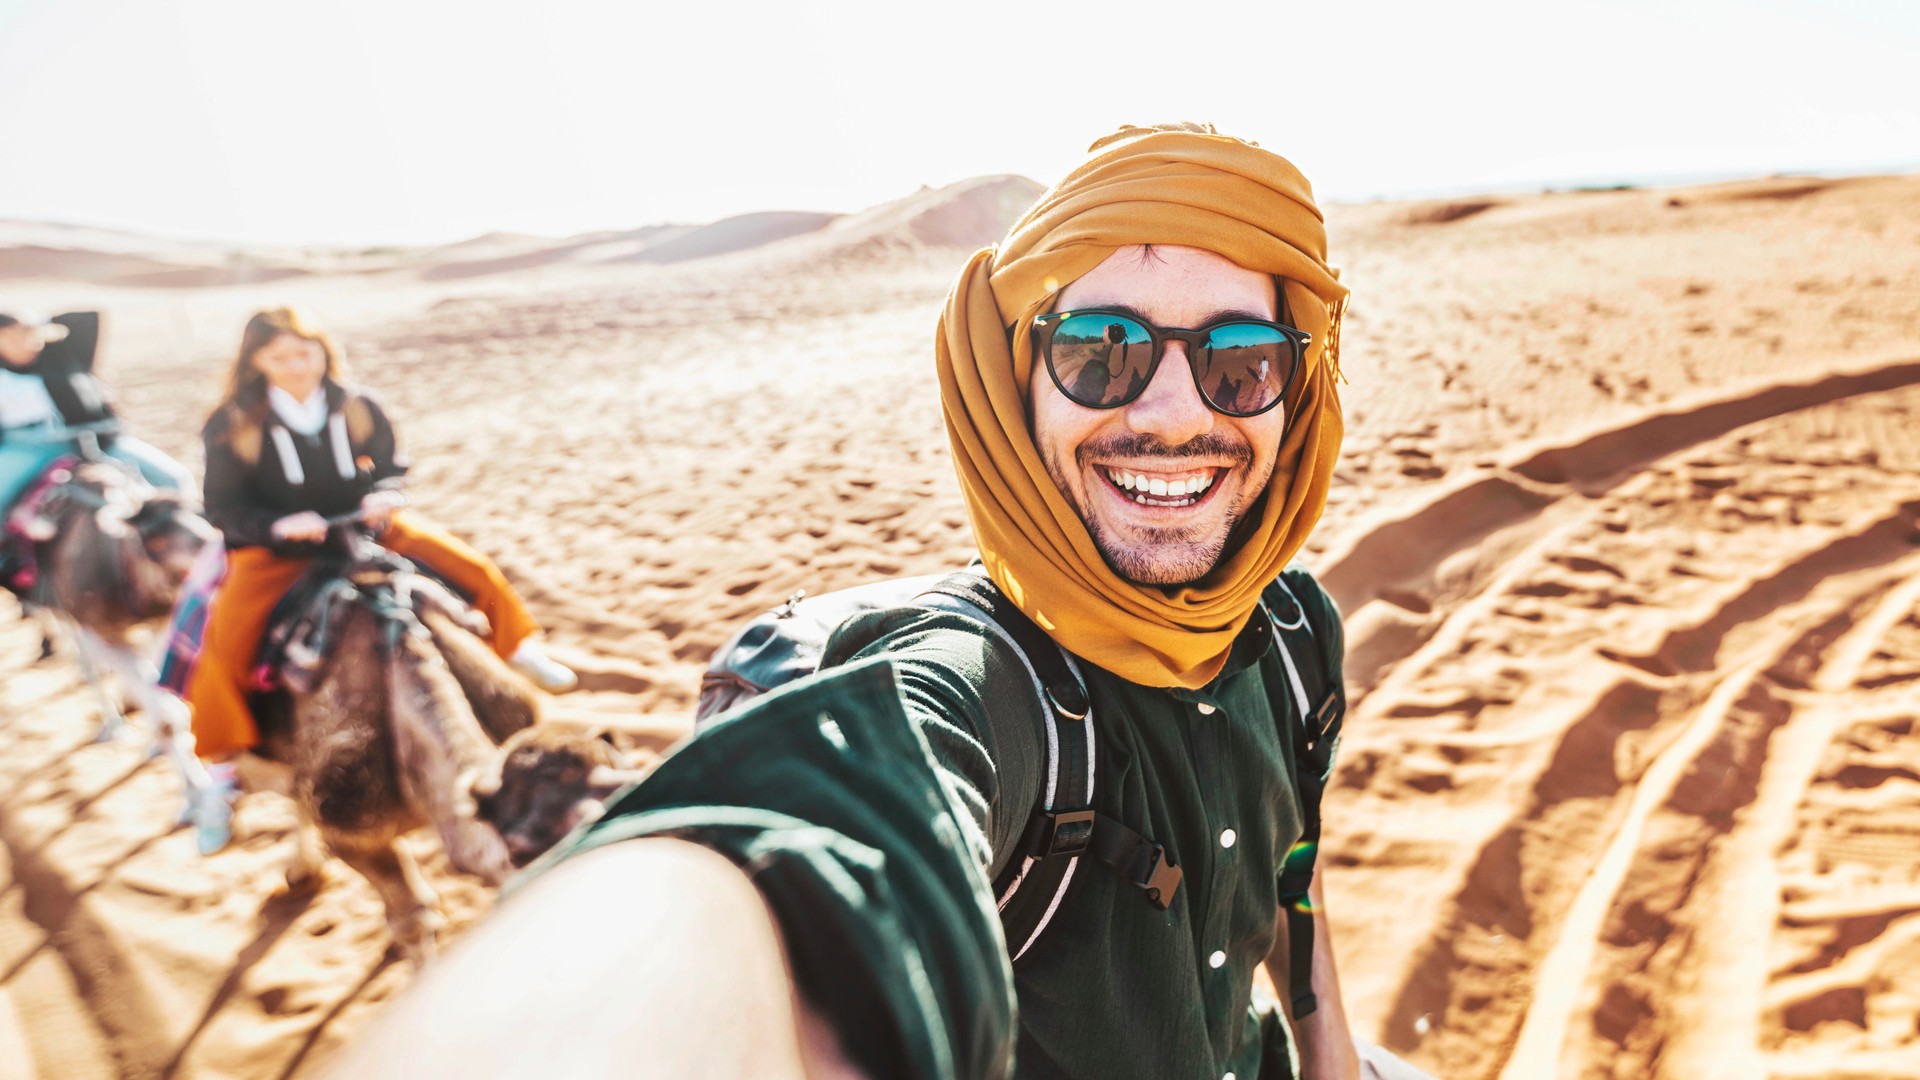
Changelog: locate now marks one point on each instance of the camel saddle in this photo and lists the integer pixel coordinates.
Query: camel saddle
(36, 519)
(305, 624)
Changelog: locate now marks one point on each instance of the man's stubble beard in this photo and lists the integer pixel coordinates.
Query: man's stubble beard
(1172, 557)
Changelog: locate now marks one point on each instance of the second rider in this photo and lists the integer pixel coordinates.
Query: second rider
(290, 446)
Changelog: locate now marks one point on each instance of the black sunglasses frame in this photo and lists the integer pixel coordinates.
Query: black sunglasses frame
(1195, 339)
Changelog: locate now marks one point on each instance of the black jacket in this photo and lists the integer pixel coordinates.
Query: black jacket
(66, 366)
(250, 485)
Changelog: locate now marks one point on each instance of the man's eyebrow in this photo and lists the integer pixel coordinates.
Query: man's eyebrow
(1214, 316)
(1235, 313)
(1124, 309)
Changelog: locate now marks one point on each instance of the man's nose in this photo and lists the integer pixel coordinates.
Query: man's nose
(1171, 408)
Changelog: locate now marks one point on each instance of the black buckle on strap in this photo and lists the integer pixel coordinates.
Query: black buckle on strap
(1293, 884)
(1324, 716)
(1068, 833)
(1163, 880)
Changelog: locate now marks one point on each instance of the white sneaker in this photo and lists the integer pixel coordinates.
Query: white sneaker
(547, 673)
(212, 811)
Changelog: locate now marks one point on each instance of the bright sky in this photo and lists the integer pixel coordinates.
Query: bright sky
(363, 121)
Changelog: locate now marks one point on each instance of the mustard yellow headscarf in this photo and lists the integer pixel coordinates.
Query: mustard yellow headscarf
(1185, 185)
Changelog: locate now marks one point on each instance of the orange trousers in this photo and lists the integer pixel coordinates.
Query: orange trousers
(257, 579)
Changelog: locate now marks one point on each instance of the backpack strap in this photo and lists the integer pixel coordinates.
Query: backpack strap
(1320, 705)
(1063, 826)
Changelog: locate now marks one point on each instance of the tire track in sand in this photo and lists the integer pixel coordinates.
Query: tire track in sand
(1739, 769)
(1583, 782)
(1396, 557)
(1565, 724)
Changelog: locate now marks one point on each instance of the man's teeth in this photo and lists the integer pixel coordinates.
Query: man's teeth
(1159, 487)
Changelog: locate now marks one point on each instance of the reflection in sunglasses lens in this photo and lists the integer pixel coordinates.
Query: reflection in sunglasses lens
(1245, 367)
(1101, 360)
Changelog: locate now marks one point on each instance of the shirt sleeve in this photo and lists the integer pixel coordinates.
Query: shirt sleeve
(971, 698)
(77, 349)
(390, 461)
(71, 360)
(827, 795)
(232, 507)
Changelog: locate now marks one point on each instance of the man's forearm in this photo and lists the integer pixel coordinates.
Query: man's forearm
(1326, 1043)
(645, 958)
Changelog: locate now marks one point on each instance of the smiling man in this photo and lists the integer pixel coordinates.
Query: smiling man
(1140, 388)
(1162, 461)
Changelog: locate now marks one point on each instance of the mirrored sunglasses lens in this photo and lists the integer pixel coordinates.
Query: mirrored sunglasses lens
(1101, 360)
(1245, 367)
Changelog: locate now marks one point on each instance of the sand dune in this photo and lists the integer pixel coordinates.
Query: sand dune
(968, 214)
(32, 251)
(507, 258)
(110, 268)
(733, 234)
(1625, 530)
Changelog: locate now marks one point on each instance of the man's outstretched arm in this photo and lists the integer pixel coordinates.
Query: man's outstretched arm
(656, 933)
(652, 957)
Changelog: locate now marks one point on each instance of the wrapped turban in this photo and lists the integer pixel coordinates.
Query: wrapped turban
(1178, 185)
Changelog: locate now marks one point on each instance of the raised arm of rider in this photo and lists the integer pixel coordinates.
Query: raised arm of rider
(67, 364)
(82, 342)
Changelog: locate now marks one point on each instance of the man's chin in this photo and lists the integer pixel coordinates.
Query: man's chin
(1162, 566)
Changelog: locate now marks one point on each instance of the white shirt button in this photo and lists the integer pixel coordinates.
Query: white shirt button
(1217, 960)
(1205, 709)
(1227, 837)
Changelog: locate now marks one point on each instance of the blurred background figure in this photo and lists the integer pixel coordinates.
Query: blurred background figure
(50, 395)
(292, 451)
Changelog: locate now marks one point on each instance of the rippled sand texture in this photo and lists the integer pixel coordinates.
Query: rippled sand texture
(1625, 532)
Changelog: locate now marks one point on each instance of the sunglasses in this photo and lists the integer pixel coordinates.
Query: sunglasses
(1104, 359)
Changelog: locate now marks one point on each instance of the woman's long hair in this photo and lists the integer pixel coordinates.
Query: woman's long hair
(246, 385)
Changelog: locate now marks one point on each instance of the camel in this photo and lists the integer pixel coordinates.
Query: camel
(393, 712)
(550, 781)
(111, 554)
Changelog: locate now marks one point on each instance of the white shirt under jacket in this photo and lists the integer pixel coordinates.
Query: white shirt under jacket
(24, 400)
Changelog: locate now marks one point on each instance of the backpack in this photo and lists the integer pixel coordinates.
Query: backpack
(786, 644)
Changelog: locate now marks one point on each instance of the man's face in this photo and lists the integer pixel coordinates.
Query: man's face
(19, 344)
(1168, 434)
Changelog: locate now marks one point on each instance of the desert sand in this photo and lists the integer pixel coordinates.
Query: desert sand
(1625, 531)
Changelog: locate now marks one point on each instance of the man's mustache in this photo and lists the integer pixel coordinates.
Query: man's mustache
(1213, 444)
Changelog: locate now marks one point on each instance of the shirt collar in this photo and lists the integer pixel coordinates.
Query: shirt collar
(306, 417)
(1249, 647)
(1255, 639)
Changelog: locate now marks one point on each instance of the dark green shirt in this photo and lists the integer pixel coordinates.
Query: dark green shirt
(872, 803)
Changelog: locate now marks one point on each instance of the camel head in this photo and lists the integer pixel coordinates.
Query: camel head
(172, 534)
(549, 782)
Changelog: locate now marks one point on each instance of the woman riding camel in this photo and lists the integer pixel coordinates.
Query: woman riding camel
(290, 446)
(49, 395)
